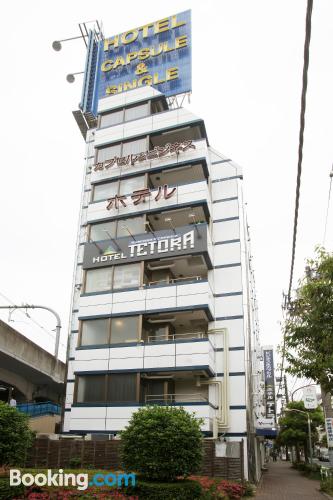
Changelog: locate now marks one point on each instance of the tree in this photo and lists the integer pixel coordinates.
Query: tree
(15, 435)
(294, 427)
(308, 345)
(162, 443)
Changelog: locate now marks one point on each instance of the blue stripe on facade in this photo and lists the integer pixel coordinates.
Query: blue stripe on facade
(227, 219)
(237, 407)
(221, 161)
(224, 266)
(232, 198)
(227, 294)
(71, 380)
(231, 374)
(226, 242)
(226, 318)
(237, 348)
(223, 179)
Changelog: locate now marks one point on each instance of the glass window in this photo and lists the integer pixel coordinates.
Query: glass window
(127, 276)
(112, 118)
(103, 231)
(122, 387)
(124, 329)
(90, 389)
(108, 152)
(138, 111)
(133, 147)
(127, 186)
(136, 225)
(95, 332)
(99, 280)
(105, 191)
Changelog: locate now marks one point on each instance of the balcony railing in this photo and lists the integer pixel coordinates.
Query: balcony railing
(177, 336)
(174, 281)
(175, 398)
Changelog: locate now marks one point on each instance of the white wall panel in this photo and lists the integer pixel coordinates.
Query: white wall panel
(225, 209)
(235, 329)
(159, 361)
(126, 363)
(229, 306)
(224, 189)
(228, 279)
(237, 421)
(227, 230)
(236, 361)
(91, 365)
(90, 412)
(87, 354)
(228, 253)
(127, 352)
(88, 424)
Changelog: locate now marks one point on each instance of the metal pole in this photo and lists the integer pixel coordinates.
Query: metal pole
(310, 439)
(58, 326)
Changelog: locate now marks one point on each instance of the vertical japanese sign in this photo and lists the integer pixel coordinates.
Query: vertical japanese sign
(329, 431)
(269, 383)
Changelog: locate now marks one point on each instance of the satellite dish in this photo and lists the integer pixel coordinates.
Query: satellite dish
(70, 78)
(56, 46)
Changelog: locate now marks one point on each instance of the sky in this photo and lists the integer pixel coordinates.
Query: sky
(247, 77)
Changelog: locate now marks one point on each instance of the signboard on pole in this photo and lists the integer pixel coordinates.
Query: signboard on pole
(310, 397)
(329, 431)
(269, 382)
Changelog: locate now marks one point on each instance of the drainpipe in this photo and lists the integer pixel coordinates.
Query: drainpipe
(221, 421)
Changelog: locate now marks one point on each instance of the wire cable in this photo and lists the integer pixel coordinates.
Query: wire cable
(328, 206)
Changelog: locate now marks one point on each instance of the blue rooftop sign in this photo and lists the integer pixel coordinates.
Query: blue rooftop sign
(157, 54)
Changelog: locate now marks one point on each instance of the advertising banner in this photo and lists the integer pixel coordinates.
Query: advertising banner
(310, 397)
(156, 54)
(160, 244)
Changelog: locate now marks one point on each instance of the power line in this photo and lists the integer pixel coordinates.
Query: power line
(328, 206)
(300, 158)
(301, 135)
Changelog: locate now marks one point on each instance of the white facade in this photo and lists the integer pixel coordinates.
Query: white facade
(197, 340)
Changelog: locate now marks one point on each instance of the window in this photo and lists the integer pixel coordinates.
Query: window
(99, 280)
(125, 186)
(108, 278)
(113, 229)
(133, 147)
(114, 118)
(110, 331)
(122, 149)
(127, 276)
(138, 111)
(121, 387)
(108, 152)
(103, 231)
(136, 225)
(95, 332)
(90, 389)
(112, 388)
(125, 329)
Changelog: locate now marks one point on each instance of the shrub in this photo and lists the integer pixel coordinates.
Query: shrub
(214, 488)
(75, 462)
(8, 492)
(162, 443)
(15, 435)
(178, 490)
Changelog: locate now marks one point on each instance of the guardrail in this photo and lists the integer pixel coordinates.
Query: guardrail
(177, 336)
(173, 281)
(172, 398)
(39, 409)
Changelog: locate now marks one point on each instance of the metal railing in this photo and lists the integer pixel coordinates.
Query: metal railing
(38, 409)
(175, 398)
(173, 281)
(177, 336)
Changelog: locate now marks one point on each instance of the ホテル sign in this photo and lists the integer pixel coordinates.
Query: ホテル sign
(156, 53)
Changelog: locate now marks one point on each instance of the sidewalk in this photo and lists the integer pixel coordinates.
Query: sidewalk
(281, 482)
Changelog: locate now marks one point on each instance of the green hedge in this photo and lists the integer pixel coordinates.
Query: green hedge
(179, 490)
(8, 492)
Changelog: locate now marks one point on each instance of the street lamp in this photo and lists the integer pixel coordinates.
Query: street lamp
(309, 427)
(299, 388)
